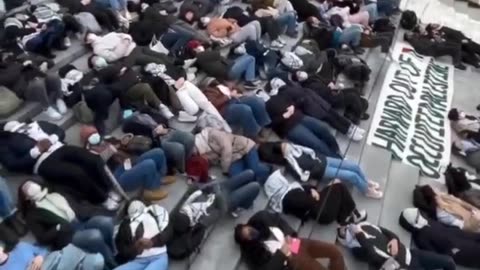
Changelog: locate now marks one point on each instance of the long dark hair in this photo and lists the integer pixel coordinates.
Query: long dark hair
(24, 204)
(271, 152)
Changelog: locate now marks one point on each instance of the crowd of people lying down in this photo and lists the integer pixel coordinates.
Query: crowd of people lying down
(151, 66)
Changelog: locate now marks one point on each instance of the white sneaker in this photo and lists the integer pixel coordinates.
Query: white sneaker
(240, 49)
(53, 114)
(276, 44)
(373, 184)
(110, 204)
(61, 106)
(166, 111)
(354, 134)
(43, 67)
(191, 76)
(115, 196)
(374, 194)
(189, 62)
(186, 118)
(67, 42)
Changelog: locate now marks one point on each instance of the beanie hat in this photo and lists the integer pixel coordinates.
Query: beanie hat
(193, 44)
(85, 132)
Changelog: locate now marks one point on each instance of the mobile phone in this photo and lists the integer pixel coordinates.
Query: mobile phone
(295, 246)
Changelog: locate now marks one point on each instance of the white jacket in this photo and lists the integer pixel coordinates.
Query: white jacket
(113, 46)
(276, 187)
(294, 151)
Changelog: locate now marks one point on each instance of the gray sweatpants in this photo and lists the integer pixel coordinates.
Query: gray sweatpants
(250, 31)
(45, 91)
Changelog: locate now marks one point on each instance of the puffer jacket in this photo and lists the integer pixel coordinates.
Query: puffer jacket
(113, 46)
(219, 146)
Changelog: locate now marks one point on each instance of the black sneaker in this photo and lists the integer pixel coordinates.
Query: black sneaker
(8, 237)
(460, 66)
(251, 85)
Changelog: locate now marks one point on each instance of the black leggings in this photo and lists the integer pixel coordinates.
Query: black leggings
(78, 170)
(337, 206)
(337, 121)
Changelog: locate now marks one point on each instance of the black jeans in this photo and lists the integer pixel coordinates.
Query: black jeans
(105, 17)
(336, 204)
(337, 121)
(442, 49)
(427, 260)
(82, 172)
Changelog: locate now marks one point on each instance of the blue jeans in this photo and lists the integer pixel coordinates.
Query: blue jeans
(158, 262)
(117, 5)
(313, 133)
(7, 206)
(347, 171)
(243, 65)
(96, 235)
(427, 260)
(248, 113)
(174, 41)
(147, 172)
(288, 20)
(178, 146)
(46, 39)
(351, 36)
(250, 161)
(386, 7)
(243, 189)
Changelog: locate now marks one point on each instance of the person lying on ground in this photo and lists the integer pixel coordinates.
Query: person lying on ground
(447, 209)
(235, 153)
(458, 246)
(268, 242)
(381, 248)
(37, 148)
(308, 165)
(146, 171)
(246, 112)
(55, 224)
(28, 256)
(436, 48)
(333, 203)
(178, 145)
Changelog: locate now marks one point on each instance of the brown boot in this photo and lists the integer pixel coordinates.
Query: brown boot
(168, 180)
(155, 195)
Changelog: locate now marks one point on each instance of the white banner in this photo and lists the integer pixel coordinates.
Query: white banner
(411, 115)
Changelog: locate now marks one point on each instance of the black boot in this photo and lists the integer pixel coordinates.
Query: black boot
(8, 237)
(16, 223)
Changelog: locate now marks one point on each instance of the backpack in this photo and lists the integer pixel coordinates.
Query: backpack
(383, 25)
(408, 20)
(82, 112)
(183, 245)
(136, 144)
(9, 102)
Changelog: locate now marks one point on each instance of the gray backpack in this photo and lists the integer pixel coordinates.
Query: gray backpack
(9, 102)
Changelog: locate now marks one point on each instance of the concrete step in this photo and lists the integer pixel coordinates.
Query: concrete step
(220, 251)
(398, 196)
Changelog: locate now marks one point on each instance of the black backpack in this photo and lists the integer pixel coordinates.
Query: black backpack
(181, 246)
(408, 20)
